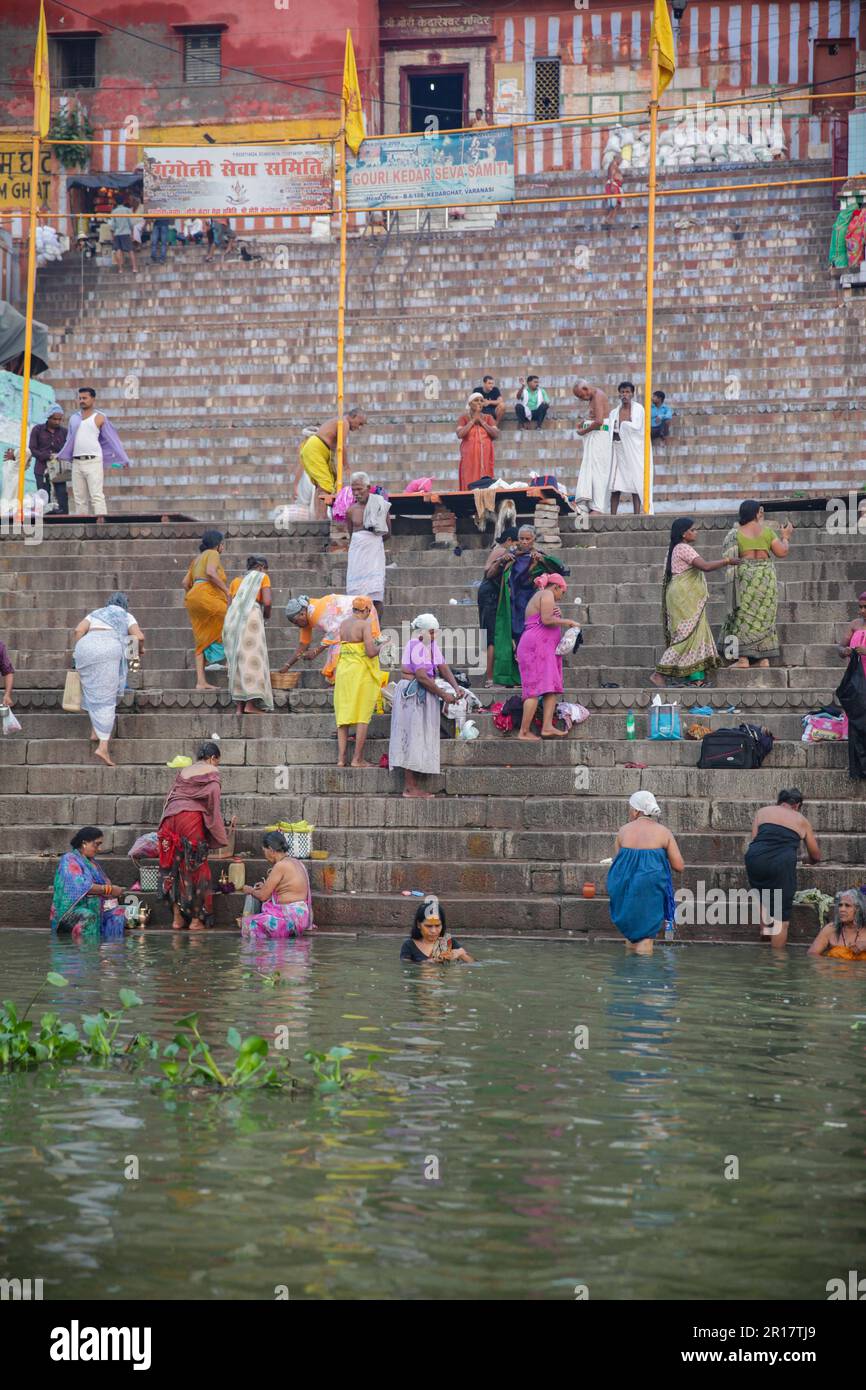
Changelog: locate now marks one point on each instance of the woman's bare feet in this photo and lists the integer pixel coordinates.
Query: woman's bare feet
(250, 708)
(528, 738)
(178, 922)
(417, 794)
(764, 665)
(94, 738)
(205, 686)
(102, 754)
(196, 924)
(741, 665)
(657, 679)
(554, 733)
(341, 762)
(362, 763)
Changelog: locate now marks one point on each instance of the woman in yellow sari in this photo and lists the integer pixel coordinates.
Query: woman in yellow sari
(358, 682)
(691, 651)
(207, 598)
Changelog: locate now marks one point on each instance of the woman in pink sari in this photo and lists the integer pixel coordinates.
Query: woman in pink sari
(287, 903)
(540, 667)
(476, 432)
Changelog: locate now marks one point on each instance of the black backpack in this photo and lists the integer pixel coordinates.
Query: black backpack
(746, 746)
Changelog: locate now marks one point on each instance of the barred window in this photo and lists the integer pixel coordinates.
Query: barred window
(547, 89)
(75, 59)
(201, 56)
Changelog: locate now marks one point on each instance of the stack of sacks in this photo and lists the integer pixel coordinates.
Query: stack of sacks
(48, 246)
(684, 143)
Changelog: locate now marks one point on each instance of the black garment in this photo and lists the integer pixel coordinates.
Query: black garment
(851, 695)
(537, 414)
(661, 431)
(494, 395)
(771, 863)
(409, 950)
(488, 602)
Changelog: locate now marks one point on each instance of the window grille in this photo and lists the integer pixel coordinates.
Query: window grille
(201, 56)
(547, 89)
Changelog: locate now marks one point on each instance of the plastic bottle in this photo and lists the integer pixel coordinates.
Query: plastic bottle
(630, 731)
(670, 931)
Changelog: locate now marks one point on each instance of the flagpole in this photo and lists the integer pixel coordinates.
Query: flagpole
(28, 330)
(650, 267)
(341, 302)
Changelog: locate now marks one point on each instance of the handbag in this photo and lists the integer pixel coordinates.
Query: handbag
(665, 722)
(728, 748)
(571, 638)
(71, 701)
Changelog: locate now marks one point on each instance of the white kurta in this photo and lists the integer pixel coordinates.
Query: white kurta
(626, 474)
(593, 480)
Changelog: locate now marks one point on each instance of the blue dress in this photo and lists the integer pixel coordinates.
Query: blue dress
(641, 892)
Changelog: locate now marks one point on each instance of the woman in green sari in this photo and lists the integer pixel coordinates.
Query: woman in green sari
(749, 631)
(691, 651)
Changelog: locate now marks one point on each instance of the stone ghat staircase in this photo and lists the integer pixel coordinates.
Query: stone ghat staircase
(212, 372)
(517, 829)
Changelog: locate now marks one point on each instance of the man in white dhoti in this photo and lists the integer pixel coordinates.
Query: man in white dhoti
(369, 525)
(593, 480)
(627, 424)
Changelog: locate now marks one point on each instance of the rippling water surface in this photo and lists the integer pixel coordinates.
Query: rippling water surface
(559, 1165)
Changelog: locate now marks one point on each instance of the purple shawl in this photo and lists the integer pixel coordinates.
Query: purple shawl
(113, 452)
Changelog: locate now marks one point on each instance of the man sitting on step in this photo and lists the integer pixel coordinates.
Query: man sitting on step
(533, 403)
(495, 405)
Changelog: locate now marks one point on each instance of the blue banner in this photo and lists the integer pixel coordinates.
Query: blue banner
(444, 169)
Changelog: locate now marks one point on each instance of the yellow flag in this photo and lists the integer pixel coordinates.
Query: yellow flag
(352, 98)
(662, 31)
(41, 83)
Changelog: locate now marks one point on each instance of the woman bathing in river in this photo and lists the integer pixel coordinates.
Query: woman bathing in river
(844, 937)
(429, 939)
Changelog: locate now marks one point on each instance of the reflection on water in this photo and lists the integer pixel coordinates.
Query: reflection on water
(495, 1156)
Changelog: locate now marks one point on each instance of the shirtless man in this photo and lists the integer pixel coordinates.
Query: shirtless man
(318, 461)
(593, 480)
(365, 571)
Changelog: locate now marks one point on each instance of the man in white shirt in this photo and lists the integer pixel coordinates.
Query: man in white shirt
(92, 441)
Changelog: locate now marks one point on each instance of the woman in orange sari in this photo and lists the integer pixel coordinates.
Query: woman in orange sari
(844, 937)
(476, 432)
(207, 598)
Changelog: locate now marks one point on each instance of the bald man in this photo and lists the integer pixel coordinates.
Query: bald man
(593, 481)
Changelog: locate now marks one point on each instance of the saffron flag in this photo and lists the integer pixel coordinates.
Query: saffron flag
(41, 83)
(662, 32)
(352, 99)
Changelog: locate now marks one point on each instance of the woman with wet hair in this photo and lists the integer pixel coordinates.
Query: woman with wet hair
(771, 859)
(844, 936)
(429, 939)
(287, 903)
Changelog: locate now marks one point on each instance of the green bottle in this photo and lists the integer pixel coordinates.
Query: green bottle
(629, 725)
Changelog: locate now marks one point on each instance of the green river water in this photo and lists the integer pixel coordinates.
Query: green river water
(559, 1166)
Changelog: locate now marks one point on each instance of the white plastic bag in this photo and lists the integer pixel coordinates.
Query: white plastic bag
(10, 723)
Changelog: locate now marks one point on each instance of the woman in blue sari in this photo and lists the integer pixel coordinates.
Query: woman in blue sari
(80, 907)
(639, 882)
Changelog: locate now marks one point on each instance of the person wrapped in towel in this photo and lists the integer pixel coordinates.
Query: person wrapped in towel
(358, 681)
(639, 882)
(369, 526)
(287, 903)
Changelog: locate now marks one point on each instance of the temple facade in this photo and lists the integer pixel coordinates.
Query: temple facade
(156, 72)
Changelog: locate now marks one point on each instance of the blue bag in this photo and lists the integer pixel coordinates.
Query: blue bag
(665, 722)
(214, 653)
